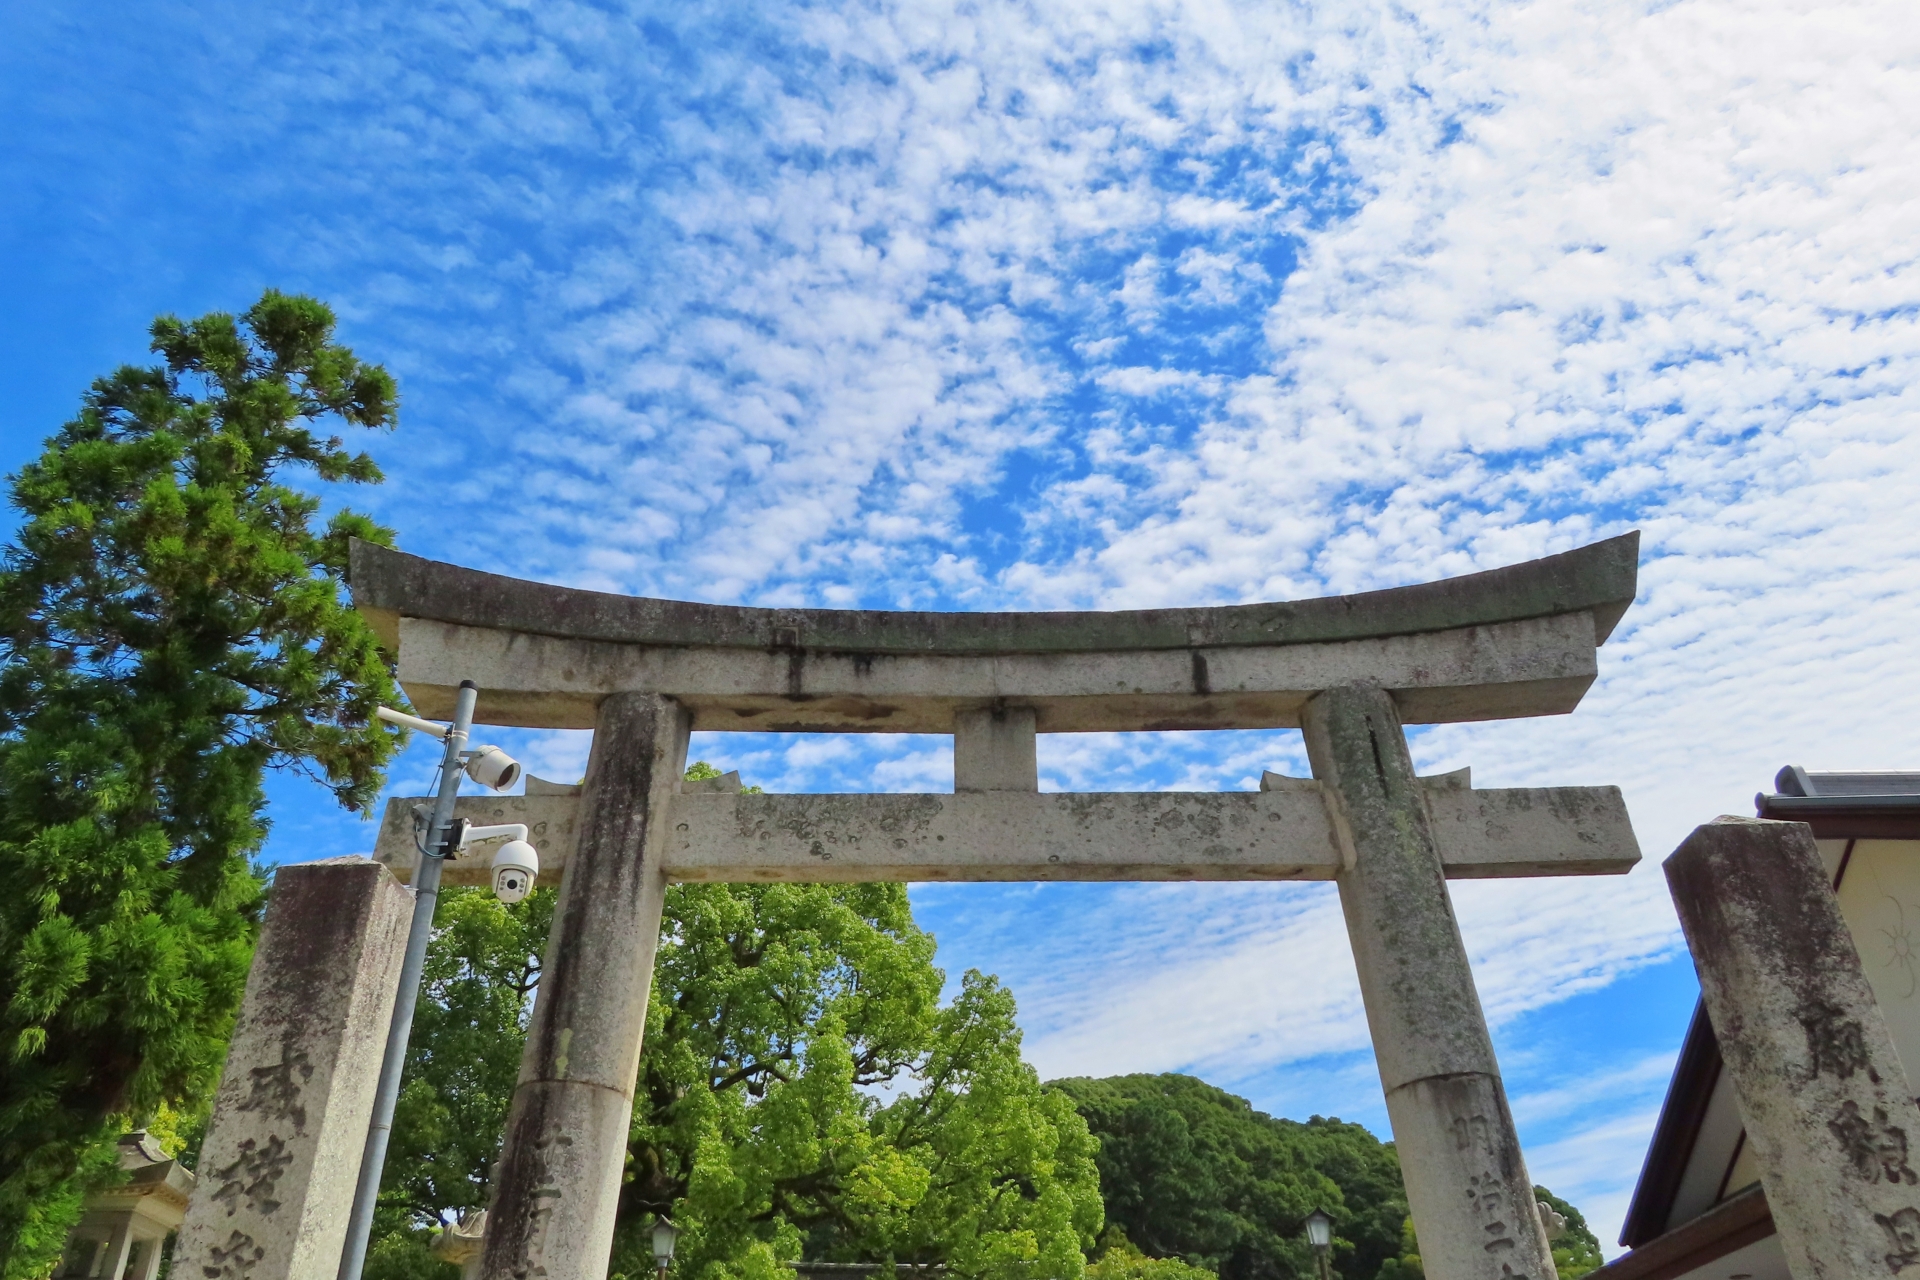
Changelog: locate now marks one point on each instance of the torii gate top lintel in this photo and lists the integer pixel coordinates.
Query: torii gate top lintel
(1513, 641)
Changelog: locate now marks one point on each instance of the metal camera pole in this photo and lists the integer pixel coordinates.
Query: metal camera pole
(426, 892)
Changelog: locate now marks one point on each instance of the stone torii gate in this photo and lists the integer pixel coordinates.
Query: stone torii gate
(1348, 670)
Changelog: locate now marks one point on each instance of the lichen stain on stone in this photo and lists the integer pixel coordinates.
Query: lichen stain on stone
(914, 814)
(333, 928)
(832, 819)
(1088, 807)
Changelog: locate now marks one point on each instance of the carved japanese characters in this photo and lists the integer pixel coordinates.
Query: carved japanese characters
(1829, 1113)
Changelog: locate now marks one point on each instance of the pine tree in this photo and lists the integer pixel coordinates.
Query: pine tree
(171, 626)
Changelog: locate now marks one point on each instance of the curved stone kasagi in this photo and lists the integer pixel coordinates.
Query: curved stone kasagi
(388, 584)
(1514, 641)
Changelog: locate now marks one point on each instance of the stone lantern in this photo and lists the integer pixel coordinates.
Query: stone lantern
(122, 1228)
(463, 1242)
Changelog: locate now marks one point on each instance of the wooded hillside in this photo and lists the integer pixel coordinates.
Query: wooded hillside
(1190, 1171)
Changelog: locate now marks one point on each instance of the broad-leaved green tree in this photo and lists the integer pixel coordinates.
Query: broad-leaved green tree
(803, 1093)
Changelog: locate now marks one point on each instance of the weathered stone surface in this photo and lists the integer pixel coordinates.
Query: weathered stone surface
(566, 1141)
(994, 750)
(1001, 836)
(388, 584)
(1165, 835)
(1457, 1132)
(1828, 1107)
(282, 1155)
(1532, 831)
(1509, 642)
(1467, 1185)
(1527, 667)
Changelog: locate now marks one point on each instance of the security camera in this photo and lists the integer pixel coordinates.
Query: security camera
(515, 865)
(515, 868)
(492, 767)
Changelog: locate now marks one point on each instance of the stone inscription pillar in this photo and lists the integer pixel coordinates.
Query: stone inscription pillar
(1826, 1100)
(566, 1139)
(1467, 1186)
(282, 1155)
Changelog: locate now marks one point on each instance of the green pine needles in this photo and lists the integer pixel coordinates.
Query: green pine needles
(171, 626)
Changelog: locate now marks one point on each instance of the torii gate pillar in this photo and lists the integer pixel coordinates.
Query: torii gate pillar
(1467, 1185)
(566, 1142)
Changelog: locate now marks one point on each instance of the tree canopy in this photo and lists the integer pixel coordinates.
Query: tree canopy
(171, 625)
(1119, 1260)
(1192, 1172)
(802, 1093)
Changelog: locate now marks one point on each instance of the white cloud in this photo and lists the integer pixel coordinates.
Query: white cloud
(1231, 979)
(1586, 1166)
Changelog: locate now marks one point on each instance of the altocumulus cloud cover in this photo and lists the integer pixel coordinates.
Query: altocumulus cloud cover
(990, 305)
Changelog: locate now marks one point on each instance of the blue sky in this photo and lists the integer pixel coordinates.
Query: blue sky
(989, 305)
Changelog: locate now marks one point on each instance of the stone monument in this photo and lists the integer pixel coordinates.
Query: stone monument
(1349, 670)
(1828, 1108)
(282, 1152)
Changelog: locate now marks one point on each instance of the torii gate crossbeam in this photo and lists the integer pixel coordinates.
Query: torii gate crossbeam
(1349, 670)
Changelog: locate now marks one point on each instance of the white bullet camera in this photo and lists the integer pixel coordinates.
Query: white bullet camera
(488, 766)
(515, 867)
(492, 767)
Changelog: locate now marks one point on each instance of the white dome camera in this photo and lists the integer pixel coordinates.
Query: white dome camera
(492, 767)
(515, 867)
